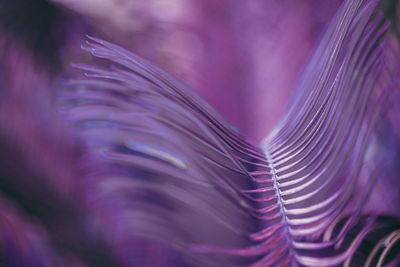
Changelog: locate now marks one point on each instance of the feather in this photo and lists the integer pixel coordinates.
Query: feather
(166, 144)
(289, 193)
(147, 173)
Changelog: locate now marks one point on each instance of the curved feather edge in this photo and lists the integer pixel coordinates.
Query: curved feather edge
(318, 151)
(154, 143)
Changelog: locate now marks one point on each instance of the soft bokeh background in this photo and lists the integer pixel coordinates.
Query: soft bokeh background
(242, 56)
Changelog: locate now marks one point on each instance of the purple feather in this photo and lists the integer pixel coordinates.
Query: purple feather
(131, 167)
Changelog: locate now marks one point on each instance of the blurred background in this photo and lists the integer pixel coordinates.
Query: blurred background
(243, 57)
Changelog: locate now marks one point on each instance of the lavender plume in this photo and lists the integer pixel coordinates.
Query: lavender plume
(136, 169)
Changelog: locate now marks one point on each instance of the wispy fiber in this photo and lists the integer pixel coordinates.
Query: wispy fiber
(171, 153)
(141, 171)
